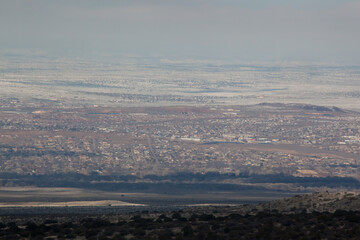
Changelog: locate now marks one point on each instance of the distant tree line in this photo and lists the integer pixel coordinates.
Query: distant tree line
(180, 181)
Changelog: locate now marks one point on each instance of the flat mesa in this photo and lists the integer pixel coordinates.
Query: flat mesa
(102, 203)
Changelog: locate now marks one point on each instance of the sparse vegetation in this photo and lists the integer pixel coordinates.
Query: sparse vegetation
(264, 225)
(281, 219)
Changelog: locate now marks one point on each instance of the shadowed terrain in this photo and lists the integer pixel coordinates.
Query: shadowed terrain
(313, 216)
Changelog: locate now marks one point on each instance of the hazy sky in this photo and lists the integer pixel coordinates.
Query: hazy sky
(304, 30)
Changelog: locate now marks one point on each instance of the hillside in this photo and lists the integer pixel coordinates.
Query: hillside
(313, 216)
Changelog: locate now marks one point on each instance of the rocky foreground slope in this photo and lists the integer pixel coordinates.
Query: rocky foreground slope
(319, 202)
(313, 216)
(315, 202)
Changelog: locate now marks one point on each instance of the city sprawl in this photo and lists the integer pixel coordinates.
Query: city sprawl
(294, 139)
(143, 119)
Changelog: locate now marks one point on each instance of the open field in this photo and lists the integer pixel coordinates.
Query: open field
(75, 197)
(102, 203)
(292, 149)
